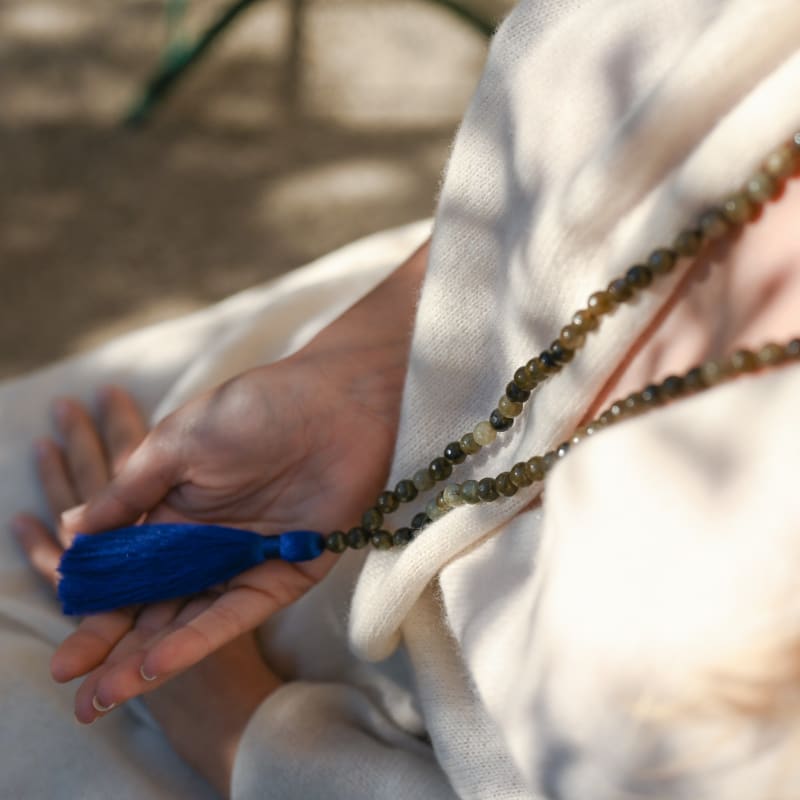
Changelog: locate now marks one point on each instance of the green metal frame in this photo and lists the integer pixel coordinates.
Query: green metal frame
(179, 56)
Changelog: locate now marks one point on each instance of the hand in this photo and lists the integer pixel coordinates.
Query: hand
(303, 443)
(204, 712)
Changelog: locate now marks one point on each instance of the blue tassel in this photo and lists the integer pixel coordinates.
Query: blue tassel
(147, 563)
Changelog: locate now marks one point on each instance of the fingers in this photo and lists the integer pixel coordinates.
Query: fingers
(257, 595)
(40, 548)
(142, 483)
(172, 644)
(89, 646)
(160, 646)
(83, 449)
(121, 677)
(121, 424)
(53, 472)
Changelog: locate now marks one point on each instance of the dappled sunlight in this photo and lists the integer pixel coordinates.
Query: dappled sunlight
(307, 126)
(45, 22)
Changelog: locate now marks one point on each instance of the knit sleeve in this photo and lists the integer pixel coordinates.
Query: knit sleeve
(327, 740)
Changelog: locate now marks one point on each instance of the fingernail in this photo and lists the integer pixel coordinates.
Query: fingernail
(145, 676)
(70, 517)
(98, 706)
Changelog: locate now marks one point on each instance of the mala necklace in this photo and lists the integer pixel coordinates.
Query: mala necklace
(146, 563)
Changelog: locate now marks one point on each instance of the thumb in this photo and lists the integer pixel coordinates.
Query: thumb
(143, 482)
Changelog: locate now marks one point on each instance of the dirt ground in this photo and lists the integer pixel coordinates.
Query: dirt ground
(313, 122)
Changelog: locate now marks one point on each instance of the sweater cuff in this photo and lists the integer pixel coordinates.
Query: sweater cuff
(329, 740)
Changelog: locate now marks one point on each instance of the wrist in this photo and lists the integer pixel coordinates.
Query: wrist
(366, 350)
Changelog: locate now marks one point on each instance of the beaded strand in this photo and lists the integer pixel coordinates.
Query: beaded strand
(726, 218)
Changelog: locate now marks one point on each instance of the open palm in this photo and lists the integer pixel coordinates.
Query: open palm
(280, 447)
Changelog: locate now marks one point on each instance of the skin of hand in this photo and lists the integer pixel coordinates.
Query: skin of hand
(205, 710)
(302, 443)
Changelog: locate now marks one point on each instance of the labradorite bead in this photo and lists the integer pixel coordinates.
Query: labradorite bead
(651, 395)
(601, 303)
(469, 492)
(560, 354)
(771, 354)
(500, 422)
(535, 469)
(434, 511)
(537, 371)
(744, 361)
(357, 538)
(761, 188)
(547, 362)
(793, 349)
(620, 290)
(562, 449)
(484, 434)
(549, 458)
(519, 475)
(711, 373)
(524, 380)
(405, 491)
(422, 480)
(440, 469)
(592, 428)
(454, 453)
(584, 321)
(688, 242)
(781, 163)
(633, 403)
(671, 387)
(693, 380)
(662, 261)
(336, 542)
(402, 536)
(517, 395)
(487, 491)
(452, 495)
(713, 224)
(605, 419)
(738, 209)
(638, 276)
(419, 521)
(505, 485)
(468, 444)
(372, 519)
(441, 503)
(577, 437)
(617, 411)
(381, 540)
(388, 502)
(508, 408)
(571, 337)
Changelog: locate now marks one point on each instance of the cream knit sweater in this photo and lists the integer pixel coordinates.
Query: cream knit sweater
(598, 129)
(519, 649)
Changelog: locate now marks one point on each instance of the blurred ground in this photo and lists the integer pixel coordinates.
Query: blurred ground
(313, 123)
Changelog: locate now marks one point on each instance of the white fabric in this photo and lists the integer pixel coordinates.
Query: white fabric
(543, 649)
(45, 754)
